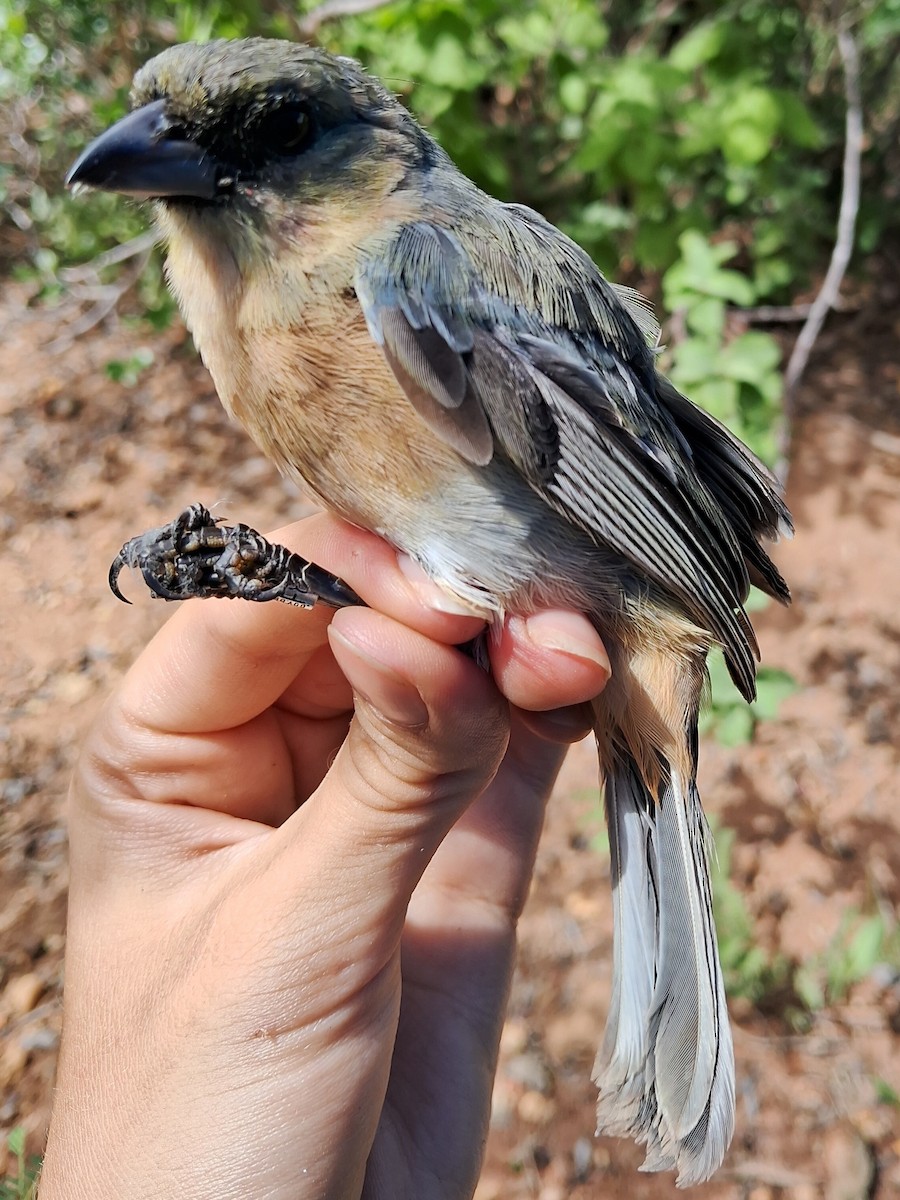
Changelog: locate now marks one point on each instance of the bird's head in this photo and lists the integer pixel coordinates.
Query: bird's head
(260, 145)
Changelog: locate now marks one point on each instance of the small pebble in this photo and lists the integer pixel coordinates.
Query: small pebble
(848, 1165)
(489, 1188)
(535, 1109)
(12, 1063)
(22, 994)
(514, 1038)
(529, 1071)
(39, 1039)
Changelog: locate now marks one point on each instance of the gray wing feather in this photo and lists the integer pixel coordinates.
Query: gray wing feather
(433, 365)
(515, 344)
(620, 1070)
(424, 350)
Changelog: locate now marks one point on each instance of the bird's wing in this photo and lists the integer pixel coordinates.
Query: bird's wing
(515, 345)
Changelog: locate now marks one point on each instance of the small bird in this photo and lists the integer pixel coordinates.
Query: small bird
(456, 375)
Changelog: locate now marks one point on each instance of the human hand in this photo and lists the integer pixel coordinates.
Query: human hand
(292, 928)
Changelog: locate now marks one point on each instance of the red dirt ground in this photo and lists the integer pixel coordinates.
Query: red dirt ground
(85, 462)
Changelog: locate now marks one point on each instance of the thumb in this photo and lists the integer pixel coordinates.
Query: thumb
(429, 732)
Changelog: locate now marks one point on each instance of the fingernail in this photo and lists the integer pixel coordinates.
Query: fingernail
(430, 594)
(565, 632)
(396, 698)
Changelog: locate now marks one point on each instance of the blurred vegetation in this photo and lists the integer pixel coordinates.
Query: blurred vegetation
(729, 718)
(22, 1183)
(864, 946)
(750, 971)
(861, 946)
(692, 147)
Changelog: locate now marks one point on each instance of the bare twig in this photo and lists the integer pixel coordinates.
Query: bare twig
(843, 247)
(88, 299)
(774, 1174)
(89, 272)
(784, 314)
(773, 314)
(888, 443)
(104, 297)
(332, 10)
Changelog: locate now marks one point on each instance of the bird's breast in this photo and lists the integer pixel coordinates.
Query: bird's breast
(319, 398)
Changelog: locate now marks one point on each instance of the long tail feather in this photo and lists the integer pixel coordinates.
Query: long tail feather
(666, 1067)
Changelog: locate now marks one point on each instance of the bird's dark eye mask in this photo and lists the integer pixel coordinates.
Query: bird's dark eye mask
(280, 125)
(197, 152)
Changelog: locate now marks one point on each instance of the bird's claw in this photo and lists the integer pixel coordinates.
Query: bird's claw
(195, 556)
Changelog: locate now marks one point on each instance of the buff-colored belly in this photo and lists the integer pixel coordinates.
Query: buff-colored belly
(318, 397)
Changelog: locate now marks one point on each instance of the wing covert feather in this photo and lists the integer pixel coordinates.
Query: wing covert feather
(559, 381)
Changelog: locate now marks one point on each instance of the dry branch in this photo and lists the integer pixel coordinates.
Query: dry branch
(332, 10)
(843, 247)
(85, 287)
(784, 314)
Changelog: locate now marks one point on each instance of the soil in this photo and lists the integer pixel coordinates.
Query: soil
(85, 462)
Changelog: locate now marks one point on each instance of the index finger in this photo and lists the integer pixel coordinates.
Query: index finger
(217, 665)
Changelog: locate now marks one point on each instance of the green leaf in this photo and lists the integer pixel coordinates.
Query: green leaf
(531, 34)
(607, 216)
(720, 397)
(755, 106)
(574, 92)
(653, 245)
(772, 688)
(706, 318)
(734, 727)
(644, 156)
(797, 122)
(884, 1093)
(809, 988)
(698, 46)
(864, 950)
(745, 143)
(750, 357)
(449, 65)
(583, 29)
(771, 275)
(699, 270)
(749, 125)
(603, 139)
(634, 82)
(692, 361)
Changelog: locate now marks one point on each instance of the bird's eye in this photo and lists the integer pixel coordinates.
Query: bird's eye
(283, 130)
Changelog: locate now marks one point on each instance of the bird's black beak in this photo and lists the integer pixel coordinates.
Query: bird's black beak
(146, 156)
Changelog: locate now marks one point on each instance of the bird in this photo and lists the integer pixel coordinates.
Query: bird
(455, 374)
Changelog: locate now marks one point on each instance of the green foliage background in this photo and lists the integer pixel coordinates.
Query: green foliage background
(692, 147)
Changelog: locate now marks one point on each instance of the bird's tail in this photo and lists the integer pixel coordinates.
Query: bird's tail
(666, 1067)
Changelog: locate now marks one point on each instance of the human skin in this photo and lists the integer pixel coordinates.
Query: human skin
(300, 843)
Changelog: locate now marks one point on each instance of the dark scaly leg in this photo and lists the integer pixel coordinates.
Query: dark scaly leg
(195, 556)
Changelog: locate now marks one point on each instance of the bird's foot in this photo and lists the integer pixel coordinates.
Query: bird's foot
(196, 556)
